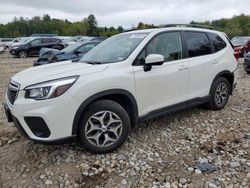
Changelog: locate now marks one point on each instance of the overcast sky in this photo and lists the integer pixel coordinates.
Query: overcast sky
(125, 12)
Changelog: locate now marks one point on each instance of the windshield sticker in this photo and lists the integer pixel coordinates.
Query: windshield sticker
(120, 58)
(138, 36)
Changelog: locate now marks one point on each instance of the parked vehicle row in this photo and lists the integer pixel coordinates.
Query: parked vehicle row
(30, 46)
(33, 45)
(1, 46)
(128, 78)
(241, 45)
(71, 52)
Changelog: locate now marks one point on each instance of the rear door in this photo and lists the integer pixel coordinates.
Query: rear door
(200, 61)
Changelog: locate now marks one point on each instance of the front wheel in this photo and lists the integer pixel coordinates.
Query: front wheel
(22, 54)
(220, 92)
(104, 126)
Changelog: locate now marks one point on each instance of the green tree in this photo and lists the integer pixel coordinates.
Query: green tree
(92, 25)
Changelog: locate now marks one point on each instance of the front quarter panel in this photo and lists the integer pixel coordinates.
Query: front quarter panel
(116, 76)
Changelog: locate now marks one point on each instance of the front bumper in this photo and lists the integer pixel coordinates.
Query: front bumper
(43, 121)
(13, 52)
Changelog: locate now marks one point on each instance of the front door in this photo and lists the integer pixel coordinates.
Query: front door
(163, 85)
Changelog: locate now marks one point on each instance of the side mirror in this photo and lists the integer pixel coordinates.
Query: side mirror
(77, 52)
(153, 60)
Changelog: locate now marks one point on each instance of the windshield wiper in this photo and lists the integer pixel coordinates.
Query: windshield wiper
(92, 63)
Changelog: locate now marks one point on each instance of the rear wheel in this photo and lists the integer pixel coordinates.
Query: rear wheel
(104, 126)
(22, 54)
(220, 92)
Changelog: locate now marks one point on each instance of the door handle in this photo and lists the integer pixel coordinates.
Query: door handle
(183, 67)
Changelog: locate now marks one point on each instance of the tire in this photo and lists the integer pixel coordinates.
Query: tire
(22, 54)
(219, 93)
(248, 72)
(100, 137)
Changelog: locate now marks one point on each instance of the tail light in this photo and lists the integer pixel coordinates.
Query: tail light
(236, 55)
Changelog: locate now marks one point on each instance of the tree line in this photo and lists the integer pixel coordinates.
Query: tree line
(235, 26)
(25, 27)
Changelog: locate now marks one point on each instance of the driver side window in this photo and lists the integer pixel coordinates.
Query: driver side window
(35, 42)
(168, 44)
(86, 48)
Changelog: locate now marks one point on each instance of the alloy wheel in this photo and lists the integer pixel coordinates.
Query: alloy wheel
(103, 128)
(221, 94)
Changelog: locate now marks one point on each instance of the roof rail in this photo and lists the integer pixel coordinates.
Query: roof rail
(189, 25)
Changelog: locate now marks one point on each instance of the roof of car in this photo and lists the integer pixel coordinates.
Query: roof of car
(172, 28)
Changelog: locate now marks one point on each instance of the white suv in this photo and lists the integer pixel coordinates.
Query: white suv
(128, 78)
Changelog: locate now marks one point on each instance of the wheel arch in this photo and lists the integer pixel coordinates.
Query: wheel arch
(123, 97)
(226, 74)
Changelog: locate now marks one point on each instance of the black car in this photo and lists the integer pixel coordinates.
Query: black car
(33, 46)
(247, 63)
(71, 52)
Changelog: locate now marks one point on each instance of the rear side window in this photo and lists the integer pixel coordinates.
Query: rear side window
(49, 40)
(217, 42)
(198, 44)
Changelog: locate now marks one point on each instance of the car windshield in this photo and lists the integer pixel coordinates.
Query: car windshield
(114, 49)
(29, 40)
(239, 41)
(70, 48)
(23, 39)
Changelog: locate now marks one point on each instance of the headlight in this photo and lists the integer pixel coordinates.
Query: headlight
(50, 58)
(50, 89)
(14, 47)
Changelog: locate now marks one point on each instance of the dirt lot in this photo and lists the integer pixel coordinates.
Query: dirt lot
(159, 153)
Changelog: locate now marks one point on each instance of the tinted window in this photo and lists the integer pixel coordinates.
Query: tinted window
(46, 40)
(86, 47)
(197, 44)
(217, 42)
(35, 42)
(49, 40)
(167, 44)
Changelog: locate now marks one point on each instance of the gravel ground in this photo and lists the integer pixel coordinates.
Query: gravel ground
(159, 153)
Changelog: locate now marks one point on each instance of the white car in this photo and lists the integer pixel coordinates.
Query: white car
(17, 41)
(130, 77)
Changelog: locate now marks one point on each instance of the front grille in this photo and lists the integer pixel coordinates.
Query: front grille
(12, 92)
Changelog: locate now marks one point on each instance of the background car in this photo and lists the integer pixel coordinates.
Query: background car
(241, 45)
(1, 46)
(247, 63)
(33, 46)
(17, 41)
(71, 52)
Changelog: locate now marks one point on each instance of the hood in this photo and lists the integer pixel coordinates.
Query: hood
(53, 71)
(16, 44)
